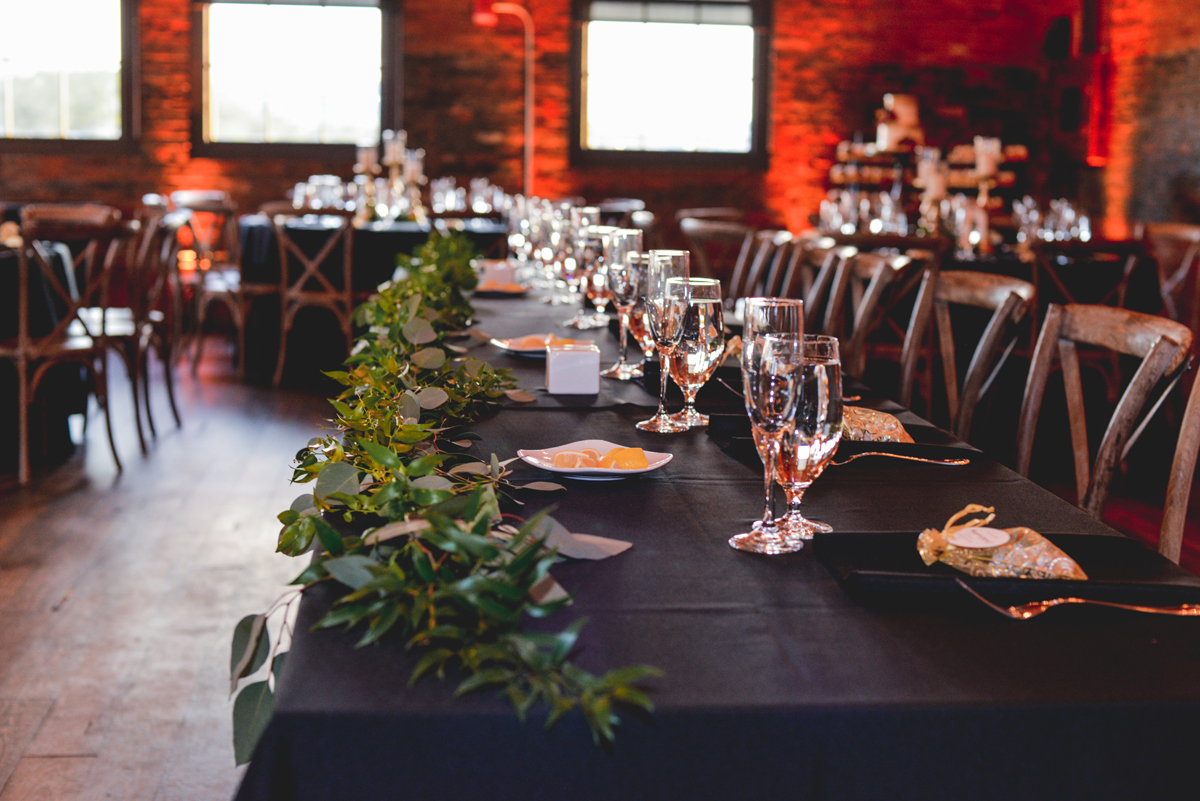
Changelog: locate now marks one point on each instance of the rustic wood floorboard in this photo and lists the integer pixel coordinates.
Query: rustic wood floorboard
(119, 592)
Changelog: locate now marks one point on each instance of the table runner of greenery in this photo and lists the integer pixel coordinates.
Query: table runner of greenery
(410, 528)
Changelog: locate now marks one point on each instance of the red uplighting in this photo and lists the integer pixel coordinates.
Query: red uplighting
(483, 14)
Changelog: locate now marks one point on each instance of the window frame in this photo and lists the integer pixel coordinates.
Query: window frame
(391, 95)
(131, 104)
(757, 158)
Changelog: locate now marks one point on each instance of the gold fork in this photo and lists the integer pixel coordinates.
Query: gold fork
(1035, 608)
(950, 462)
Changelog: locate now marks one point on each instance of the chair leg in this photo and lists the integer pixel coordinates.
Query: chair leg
(23, 423)
(143, 362)
(131, 368)
(240, 322)
(101, 377)
(167, 357)
(201, 310)
(283, 337)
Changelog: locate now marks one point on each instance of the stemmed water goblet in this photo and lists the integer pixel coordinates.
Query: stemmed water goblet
(772, 364)
(580, 271)
(624, 278)
(700, 348)
(808, 446)
(666, 298)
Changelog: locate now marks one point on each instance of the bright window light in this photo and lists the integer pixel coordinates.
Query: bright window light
(279, 73)
(669, 87)
(60, 69)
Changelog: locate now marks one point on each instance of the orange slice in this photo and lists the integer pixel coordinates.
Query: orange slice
(631, 459)
(624, 459)
(592, 452)
(573, 459)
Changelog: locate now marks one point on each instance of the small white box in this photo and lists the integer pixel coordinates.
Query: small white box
(497, 271)
(573, 369)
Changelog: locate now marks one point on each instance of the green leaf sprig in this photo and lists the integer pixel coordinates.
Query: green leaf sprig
(432, 559)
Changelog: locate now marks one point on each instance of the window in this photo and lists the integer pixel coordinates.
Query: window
(670, 81)
(293, 75)
(71, 84)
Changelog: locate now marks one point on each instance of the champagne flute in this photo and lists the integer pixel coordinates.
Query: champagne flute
(588, 260)
(814, 436)
(772, 363)
(624, 277)
(666, 298)
(700, 347)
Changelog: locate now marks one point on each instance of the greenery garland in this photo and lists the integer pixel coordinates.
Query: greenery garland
(430, 554)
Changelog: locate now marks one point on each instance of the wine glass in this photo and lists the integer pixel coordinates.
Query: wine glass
(624, 277)
(700, 347)
(815, 433)
(580, 271)
(666, 297)
(637, 315)
(772, 363)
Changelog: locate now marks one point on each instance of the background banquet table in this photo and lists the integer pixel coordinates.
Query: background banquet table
(776, 684)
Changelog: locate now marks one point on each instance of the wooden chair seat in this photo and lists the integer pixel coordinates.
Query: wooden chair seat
(1163, 346)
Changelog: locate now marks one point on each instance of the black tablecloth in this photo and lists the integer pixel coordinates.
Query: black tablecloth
(63, 390)
(777, 684)
(376, 246)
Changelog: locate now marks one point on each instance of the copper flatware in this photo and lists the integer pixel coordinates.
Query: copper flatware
(1035, 608)
(947, 462)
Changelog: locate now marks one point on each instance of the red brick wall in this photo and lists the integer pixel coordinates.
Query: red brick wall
(833, 59)
(1154, 145)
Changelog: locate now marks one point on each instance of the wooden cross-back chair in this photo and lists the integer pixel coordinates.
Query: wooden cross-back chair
(718, 246)
(1163, 346)
(756, 268)
(1179, 485)
(1010, 299)
(218, 277)
(1066, 272)
(147, 320)
(85, 284)
(316, 283)
(1176, 247)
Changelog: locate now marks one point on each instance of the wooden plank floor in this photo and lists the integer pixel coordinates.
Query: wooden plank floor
(119, 593)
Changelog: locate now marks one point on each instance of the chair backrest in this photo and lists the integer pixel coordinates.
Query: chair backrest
(1162, 345)
(755, 266)
(1175, 247)
(619, 211)
(866, 290)
(1179, 485)
(718, 246)
(1010, 300)
(647, 223)
(213, 225)
(314, 278)
(154, 271)
(98, 231)
(1076, 272)
(725, 213)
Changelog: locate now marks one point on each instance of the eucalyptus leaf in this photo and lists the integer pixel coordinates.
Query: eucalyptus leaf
(429, 358)
(432, 397)
(393, 530)
(251, 647)
(418, 331)
(543, 486)
(251, 713)
(410, 406)
(305, 504)
(520, 396)
(336, 477)
(433, 482)
(353, 570)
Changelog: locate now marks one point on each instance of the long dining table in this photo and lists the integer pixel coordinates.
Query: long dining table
(777, 683)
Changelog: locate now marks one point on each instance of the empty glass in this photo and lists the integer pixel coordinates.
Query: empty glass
(666, 299)
(772, 364)
(808, 446)
(624, 277)
(700, 348)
